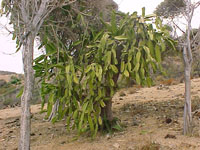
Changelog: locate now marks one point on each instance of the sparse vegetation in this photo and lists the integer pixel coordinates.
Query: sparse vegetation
(86, 54)
(7, 102)
(151, 118)
(15, 80)
(2, 82)
(7, 88)
(150, 146)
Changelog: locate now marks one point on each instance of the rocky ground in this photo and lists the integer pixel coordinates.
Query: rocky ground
(152, 119)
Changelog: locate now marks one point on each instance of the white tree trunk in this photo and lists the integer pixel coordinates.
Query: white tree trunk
(31, 15)
(187, 55)
(187, 129)
(25, 126)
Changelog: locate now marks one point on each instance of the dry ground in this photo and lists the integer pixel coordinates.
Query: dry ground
(151, 118)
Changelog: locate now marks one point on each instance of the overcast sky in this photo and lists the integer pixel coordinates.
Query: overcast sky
(13, 62)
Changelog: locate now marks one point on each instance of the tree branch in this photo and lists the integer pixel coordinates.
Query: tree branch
(178, 27)
(196, 36)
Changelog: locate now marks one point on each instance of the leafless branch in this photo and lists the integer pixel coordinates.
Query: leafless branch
(196, 5)
(69, 3)
(6, 28)
(196, 36)
(177, 26)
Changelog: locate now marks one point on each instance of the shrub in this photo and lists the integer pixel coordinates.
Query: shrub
(7, 102)
(15, 80)
(2, 83)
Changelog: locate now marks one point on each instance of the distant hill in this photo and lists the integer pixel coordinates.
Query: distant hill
(7, 73)
(10, 85)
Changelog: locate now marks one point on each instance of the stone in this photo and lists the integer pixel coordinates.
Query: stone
(116, 145)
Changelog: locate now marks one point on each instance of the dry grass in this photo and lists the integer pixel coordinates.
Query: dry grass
(151, 146)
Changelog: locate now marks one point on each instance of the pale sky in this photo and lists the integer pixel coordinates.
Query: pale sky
(13, 62)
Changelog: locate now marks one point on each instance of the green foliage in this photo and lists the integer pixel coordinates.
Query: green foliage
(7, 88)
(15, 80)
(20, 92)
(83, 75)
(170, 8)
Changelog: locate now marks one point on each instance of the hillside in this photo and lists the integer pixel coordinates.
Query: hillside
(6, 75)
(152, 119)
(10, 85)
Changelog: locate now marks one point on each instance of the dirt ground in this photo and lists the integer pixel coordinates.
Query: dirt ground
(152, 119)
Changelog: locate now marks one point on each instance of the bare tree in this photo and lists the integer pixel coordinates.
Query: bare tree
(185, 9)
(187, 56)
(27, 16)
(186, 43)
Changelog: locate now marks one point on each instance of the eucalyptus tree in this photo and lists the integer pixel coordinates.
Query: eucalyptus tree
(27, 16)
(184, 8)
(188, 59)
(170, 8)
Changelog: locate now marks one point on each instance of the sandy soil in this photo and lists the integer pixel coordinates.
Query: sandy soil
(151, 119)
